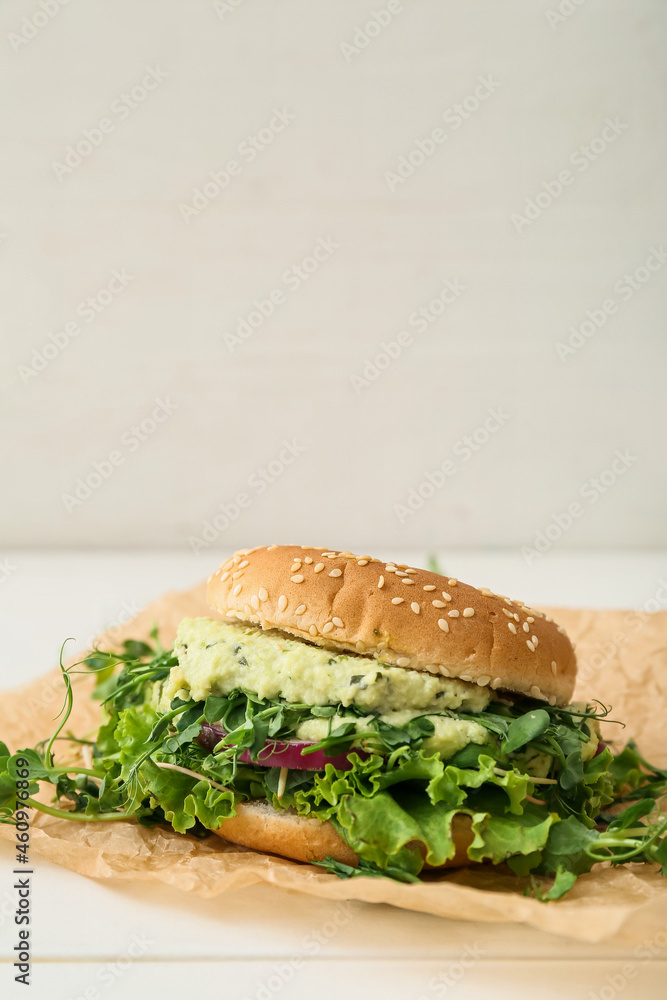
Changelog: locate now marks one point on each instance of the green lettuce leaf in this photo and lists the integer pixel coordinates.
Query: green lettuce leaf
(499, 836)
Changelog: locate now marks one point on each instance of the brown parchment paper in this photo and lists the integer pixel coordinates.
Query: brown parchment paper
(623, 661)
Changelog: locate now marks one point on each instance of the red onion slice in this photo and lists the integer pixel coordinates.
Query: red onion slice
(281, 753)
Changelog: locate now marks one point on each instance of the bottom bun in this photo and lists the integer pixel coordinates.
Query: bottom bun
(261, 827)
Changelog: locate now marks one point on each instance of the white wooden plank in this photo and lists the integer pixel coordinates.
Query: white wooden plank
(466, 978)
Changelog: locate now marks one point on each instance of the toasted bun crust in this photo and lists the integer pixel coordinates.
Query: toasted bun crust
(404, 616)
(259, 826)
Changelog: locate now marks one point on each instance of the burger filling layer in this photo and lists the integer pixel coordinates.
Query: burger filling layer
(215, 658)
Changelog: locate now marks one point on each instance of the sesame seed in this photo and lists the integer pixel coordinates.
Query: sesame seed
(399, 572)
(554, 667)
(548, 618)
(297, 579)
(406, 579)
(300, 610)
(465, 677)
(415, 607)
(411, 571)
(262, 594)
(507, 601)
(254, 601)
(429, 586)
(443, 624)
(403, 661)
(526, 627)
(312, 630)
(530, 645)
(535, 691)
(237, 590)
(453, 614)
(308, 560)
(432, 668)
(552, 699)
(337, 622)
(530, 620)
(508, 613)
(271, 548)
(295, 568)
(516, 618)
(389, 568)
(224, 577)
(242, 565)
(318, 568)
(438, 604)
(560, 629)
(336, 572)
(483, 680)
(452, 582)
(282, 602)
(236, 559)
(381, 583)
(238, 573)
(496, 682)
(486, 592)
(327, 628)
(446, 596)
(534, 640)
(512, 627)
(362, 562)
(468, 612)
(443, 670)
(397, 600)
(328, 555)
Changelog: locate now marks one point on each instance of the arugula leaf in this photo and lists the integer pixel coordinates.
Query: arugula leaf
(572, 774)
(364, 868)
(567, 847)
(523, 864)
(563, 882)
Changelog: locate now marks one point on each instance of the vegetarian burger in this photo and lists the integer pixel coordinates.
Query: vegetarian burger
(366, 716)
(361, 709)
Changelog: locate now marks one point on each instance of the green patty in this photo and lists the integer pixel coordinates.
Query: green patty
(215, 657)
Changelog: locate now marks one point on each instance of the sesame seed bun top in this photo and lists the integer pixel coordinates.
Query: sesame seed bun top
(401, 615)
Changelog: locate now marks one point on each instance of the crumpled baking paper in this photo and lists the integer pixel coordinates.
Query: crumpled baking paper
(622, 661)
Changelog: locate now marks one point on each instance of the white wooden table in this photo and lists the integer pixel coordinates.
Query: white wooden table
(95, 941)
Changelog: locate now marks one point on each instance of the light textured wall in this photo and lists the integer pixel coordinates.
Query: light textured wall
(352, 104)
